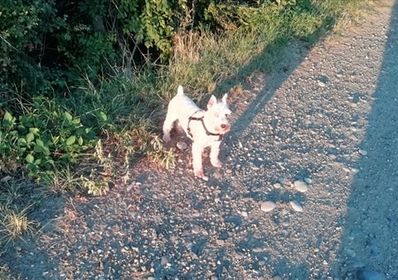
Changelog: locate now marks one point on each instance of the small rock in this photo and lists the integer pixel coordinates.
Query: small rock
(308, 180)
(164, 261)
(182, 146)
(365, 274)
(300, 186)
(323, 80)
(196, 229)
(296, 207)
(267, 206)
(277, 185)
(363, 152)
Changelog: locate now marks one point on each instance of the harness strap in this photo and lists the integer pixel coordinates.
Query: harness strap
(201, 119)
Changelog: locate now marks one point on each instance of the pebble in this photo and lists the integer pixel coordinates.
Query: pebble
(220, 242)
(363, 152)
(164, 261)
(196, 229)
(300, 186)
(277, 186)
(267, 206)
(296, 207)
(182, 145)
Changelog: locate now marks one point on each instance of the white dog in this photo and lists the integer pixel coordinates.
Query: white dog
(205, 128)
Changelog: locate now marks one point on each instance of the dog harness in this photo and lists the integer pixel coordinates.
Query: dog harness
(201, 119)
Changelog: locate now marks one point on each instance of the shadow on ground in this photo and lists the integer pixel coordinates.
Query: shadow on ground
(42, 209)
(111, 229)
(370, 238)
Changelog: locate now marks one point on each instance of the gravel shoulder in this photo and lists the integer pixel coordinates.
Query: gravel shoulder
(309, 189)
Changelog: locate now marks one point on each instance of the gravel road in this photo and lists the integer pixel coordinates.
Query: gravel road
(309, 189)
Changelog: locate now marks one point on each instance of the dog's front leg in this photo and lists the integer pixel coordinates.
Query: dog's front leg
(214, 151)
(197, 150)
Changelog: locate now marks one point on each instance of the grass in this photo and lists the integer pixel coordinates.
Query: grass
(126, 107)
(16, 200)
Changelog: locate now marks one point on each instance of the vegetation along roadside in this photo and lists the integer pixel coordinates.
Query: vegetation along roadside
(83, 85)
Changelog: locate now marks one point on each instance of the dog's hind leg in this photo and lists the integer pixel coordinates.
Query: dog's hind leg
(167, 126)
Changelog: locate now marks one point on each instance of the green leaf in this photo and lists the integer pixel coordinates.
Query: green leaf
(29, 137)
(71, 140)
(68, 116)
(8, 120)
(103, 116)
(22, 141)
(34, 130)
(76, 121)
(29, 158)
(39, 143)
(8, 117)
(80, 140)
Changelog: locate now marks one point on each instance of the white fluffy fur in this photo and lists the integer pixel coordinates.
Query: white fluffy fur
(181, 108)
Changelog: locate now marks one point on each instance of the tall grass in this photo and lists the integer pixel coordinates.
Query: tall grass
(128, 106)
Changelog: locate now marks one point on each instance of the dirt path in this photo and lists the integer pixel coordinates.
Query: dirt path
(309, 190)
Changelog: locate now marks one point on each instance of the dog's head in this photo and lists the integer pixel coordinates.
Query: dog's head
(216, 115)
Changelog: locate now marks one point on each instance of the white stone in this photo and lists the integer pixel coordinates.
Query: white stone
(296, 207)
(267, 206)
(300, 186)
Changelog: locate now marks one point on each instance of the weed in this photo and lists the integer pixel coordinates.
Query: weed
(13, 224)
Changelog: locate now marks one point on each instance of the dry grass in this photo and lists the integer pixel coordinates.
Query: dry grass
(14, 224)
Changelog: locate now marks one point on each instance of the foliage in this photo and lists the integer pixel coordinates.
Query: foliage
(73, 72)
(23, 28)
(44, 137)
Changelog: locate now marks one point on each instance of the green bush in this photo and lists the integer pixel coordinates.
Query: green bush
(23, 29)
(71, 71)
(42, 139)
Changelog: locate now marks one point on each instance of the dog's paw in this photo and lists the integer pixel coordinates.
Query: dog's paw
(216, 163)
(200, 174)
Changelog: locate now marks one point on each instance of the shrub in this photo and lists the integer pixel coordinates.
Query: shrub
(23, 28)
(42, 139)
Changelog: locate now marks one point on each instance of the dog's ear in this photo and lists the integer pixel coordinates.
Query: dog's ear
(224, 98)
(212, 101)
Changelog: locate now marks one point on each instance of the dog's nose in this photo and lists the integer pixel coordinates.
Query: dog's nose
(224, 126)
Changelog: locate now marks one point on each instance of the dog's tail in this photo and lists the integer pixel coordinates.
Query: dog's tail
(180, 90)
